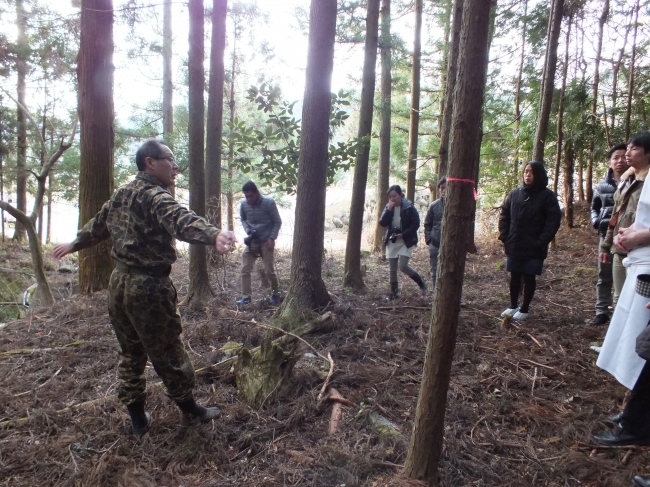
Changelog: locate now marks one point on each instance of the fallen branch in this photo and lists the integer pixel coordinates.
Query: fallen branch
(84, 405)
(38, 387)
(40, 350)
(335, 418)
(405, 307)
(542, 365)
(334, 395)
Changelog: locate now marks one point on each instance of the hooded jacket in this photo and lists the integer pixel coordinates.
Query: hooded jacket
(410, 222)
(530, 218)
(603, 202)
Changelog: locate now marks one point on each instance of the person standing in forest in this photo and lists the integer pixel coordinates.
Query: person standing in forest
(402, 222)
(602, 207)
(433, 229)
(626, 200)
(142, 217)
(530, 218)
(261, 220)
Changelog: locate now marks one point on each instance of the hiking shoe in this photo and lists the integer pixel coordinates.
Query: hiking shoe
(275, 299)
(244, 300)
(509, 313)
(140, 429)
(519, 316)
(599, 320)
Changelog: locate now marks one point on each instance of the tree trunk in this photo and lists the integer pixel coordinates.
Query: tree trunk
(383, 168)
(548, 79)
(560, 109)
(215, 113)
(50, 181)
(581, 190)
(568, 184)
(21, 154)
(615, 69)
(630, 84)
(199, 291)
(307, 289)
(352, 272)
(426, 441)
(594, 101)
(168, 86)
(95, 73)
(443, 151)
(230, 197)
(515, 164)
(415, 104)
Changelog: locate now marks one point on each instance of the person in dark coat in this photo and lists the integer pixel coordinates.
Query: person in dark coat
(402, 221)
(433, 229)
(530, 218)
(602, 206)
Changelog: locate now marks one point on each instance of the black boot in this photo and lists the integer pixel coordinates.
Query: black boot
(393, 291)
(420, 282)
(140, 420)
(192, 410)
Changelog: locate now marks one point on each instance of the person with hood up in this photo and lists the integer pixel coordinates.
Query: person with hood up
(402, 221)
(530, 218)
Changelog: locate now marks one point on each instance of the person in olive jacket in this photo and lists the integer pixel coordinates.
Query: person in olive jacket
(530, 218)
(402, 221)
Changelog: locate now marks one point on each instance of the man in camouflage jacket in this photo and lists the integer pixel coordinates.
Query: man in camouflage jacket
(143, 218)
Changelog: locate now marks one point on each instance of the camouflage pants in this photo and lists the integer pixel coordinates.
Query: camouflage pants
(143, 313)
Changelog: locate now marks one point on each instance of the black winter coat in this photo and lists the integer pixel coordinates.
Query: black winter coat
(603, 202)
(409, 219)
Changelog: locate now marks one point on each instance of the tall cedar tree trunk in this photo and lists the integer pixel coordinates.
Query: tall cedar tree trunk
(215, 113)
(594, 101)
(352, 271)
(230, 197)
(415, 104)
(568, 183)
(548, 79)
(515, 164)
(560, 109)
(199, 291)
(21, 155)
(581, 179)
(168, 86)
(452, 67)
(96, 115)
(630, 84)
(426, 441)
(615, 70)
(307, 289)
(383, 166)
(446, 19)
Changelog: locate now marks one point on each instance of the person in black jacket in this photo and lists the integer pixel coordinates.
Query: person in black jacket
(433, 229)
(402, 221)
(601, 211)
(530, 218)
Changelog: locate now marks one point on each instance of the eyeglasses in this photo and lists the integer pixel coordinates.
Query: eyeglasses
(171, 159)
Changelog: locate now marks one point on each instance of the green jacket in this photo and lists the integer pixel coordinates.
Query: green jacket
(143, 218)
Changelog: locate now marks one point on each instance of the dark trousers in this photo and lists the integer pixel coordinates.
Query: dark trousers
(636, 415)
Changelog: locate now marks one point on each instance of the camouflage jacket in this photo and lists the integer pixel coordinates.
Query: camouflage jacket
(142, 217)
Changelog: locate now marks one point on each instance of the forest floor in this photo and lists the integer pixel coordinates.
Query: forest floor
(523, 403)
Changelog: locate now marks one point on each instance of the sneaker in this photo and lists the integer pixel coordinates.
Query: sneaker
(509, 313)
(275, 299)
(244, 300)
(599, 320)
(519, 316)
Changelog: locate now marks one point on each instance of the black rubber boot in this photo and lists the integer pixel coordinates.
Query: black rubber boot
(140, 420)
(192, 410)
(393, 291)
(420, 282)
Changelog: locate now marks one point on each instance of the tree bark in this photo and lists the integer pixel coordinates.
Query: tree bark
(630, 84)
(615, 69)
(307, 289)
(383, 168)
(560, 109)
(215, 113)
(21, 154)
(443, 151)
(415, 104)
(230, 197)
(581, 179)
(199, 291)
(515, 166)
(426, 441)
(568, 184)
(352, 271)
(548, 79)
(95, 72)
(594, 101)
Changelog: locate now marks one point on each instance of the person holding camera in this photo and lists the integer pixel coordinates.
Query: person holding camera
(402, 220)
(261, 220)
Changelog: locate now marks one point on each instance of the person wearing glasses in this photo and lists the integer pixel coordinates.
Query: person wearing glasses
(142, 218)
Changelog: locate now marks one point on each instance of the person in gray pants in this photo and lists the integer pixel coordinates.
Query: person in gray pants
(433, 228)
